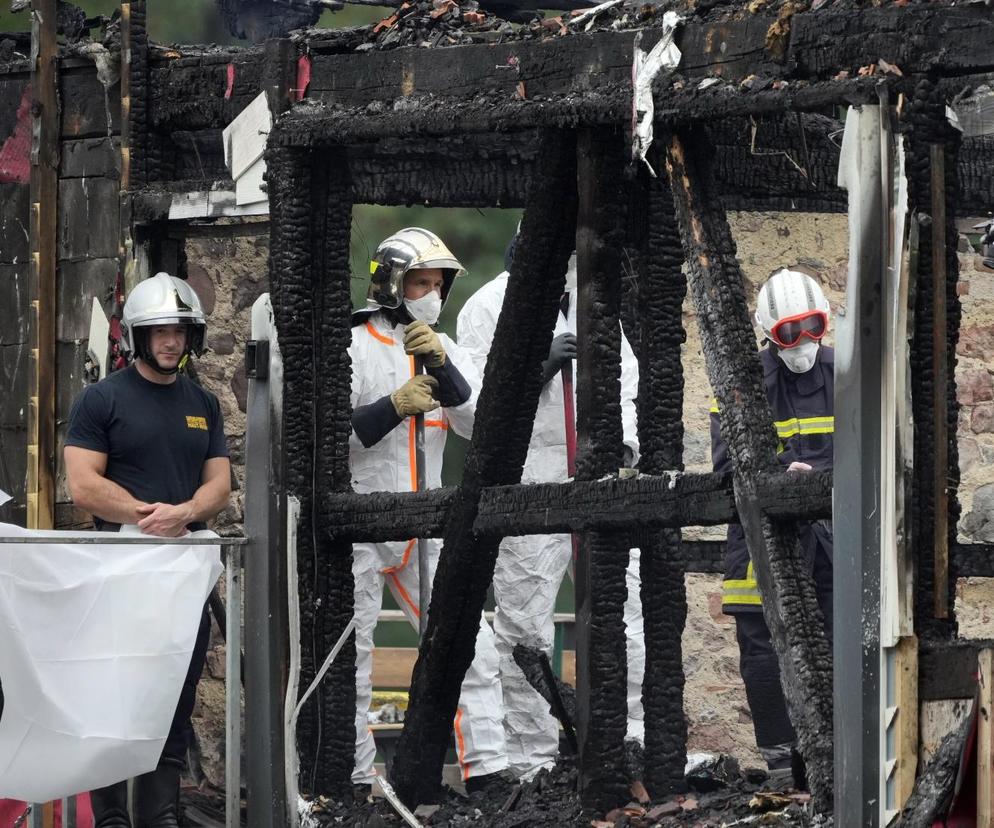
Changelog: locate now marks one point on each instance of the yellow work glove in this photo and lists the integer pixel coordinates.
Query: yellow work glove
(415, 396)
(420, 340)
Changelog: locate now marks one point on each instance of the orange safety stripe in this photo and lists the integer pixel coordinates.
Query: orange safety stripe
(461, 744)
(411, 448)
(404, 595)
(386, 340)
(407, 557)
(437, 424)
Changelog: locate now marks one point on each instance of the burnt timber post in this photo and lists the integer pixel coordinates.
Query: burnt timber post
(44, 249)
(311, 208)
(505, 414)
(790, 606)
(601, 666)
(662, 287)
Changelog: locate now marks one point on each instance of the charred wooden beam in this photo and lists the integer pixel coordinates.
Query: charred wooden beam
(924, 124)
(311, 207)
(436, 115)
(661, 288)
(496, 456)
(790, 607)
(601, 688)
(135, 95)
(647, 502)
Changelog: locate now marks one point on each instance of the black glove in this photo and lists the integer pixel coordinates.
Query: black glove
(563, 348)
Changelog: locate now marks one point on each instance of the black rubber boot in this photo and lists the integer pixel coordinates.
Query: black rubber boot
(157, 797)
(110, 806)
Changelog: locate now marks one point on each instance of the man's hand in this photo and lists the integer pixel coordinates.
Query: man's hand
(165, 520)
(798, 466)
(416, 396)
(421, 340)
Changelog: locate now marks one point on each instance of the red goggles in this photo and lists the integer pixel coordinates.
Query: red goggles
(790, 330)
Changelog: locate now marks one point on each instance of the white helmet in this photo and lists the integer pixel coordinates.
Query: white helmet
(412, 248)
(162, 300)
(793, 314)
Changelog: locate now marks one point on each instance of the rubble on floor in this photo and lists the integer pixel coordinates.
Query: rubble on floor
(715, 800)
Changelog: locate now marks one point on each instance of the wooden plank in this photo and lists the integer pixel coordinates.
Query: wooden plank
(15, 201)
(907, 718)
(947, 670)
(940, 385)
(78, 283)
(88, 218)
(393, 666)
(86, 105)
(985, 740)
(88, 157)
(14, 302)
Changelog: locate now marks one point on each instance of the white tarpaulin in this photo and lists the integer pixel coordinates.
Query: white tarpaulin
(95, 641)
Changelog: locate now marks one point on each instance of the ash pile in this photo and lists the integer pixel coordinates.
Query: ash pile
(720, 795)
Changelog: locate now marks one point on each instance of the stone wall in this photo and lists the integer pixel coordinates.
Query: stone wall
(229, 273)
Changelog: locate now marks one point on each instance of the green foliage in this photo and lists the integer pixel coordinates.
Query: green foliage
(189, 21)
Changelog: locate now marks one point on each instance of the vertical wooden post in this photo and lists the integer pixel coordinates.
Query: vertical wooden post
(601, 688)
(985, 740)
(940, 382)
(907, 713)
(43, 223)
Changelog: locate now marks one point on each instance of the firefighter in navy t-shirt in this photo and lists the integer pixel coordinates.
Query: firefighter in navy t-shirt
(146, 446)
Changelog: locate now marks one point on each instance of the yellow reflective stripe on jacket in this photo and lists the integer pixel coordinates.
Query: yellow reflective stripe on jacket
(741, 591)
(714, 406)
(804, 425)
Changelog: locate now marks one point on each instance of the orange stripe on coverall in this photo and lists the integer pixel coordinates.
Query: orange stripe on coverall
(461, 744)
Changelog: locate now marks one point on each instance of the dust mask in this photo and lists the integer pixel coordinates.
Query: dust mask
(571, 274)
(800, 358)
(427, 308)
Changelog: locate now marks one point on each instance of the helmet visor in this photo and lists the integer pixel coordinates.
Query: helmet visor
(790, 330)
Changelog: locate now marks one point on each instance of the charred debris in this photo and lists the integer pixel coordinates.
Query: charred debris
(484, 104)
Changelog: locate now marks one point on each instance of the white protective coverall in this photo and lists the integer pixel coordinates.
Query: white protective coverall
(530, 569)
(379, 367)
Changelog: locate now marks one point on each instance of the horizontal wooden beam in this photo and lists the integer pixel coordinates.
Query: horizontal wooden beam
(646, 501)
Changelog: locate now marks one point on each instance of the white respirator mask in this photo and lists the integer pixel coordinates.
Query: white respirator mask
(801, 358)
(427, 308)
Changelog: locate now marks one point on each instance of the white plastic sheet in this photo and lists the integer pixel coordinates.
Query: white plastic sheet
(95, 641)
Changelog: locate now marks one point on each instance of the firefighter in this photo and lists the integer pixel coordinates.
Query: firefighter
(798, 370)
(412, 275)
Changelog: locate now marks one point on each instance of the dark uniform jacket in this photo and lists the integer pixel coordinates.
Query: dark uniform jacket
(803, 414)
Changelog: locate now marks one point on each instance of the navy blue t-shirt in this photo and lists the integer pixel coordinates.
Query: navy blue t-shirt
(156, 437)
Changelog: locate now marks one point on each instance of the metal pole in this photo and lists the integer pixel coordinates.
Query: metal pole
(424, 583)
(233, 690)
(266, 598)
(856, 496)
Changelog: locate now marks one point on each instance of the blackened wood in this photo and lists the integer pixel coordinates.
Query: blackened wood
(89, 157)
(948, 669)
(437, 115)
(88, 218)
(44, 218)
(940, 527)
(934, 788)
(310, 203)
(647, 502)
(924, 123)
(15, 200)
(790, 605)
(601, 688)
(496, 456)
(661, 287)
(79, 283)
(85, 104)
(972, 560)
